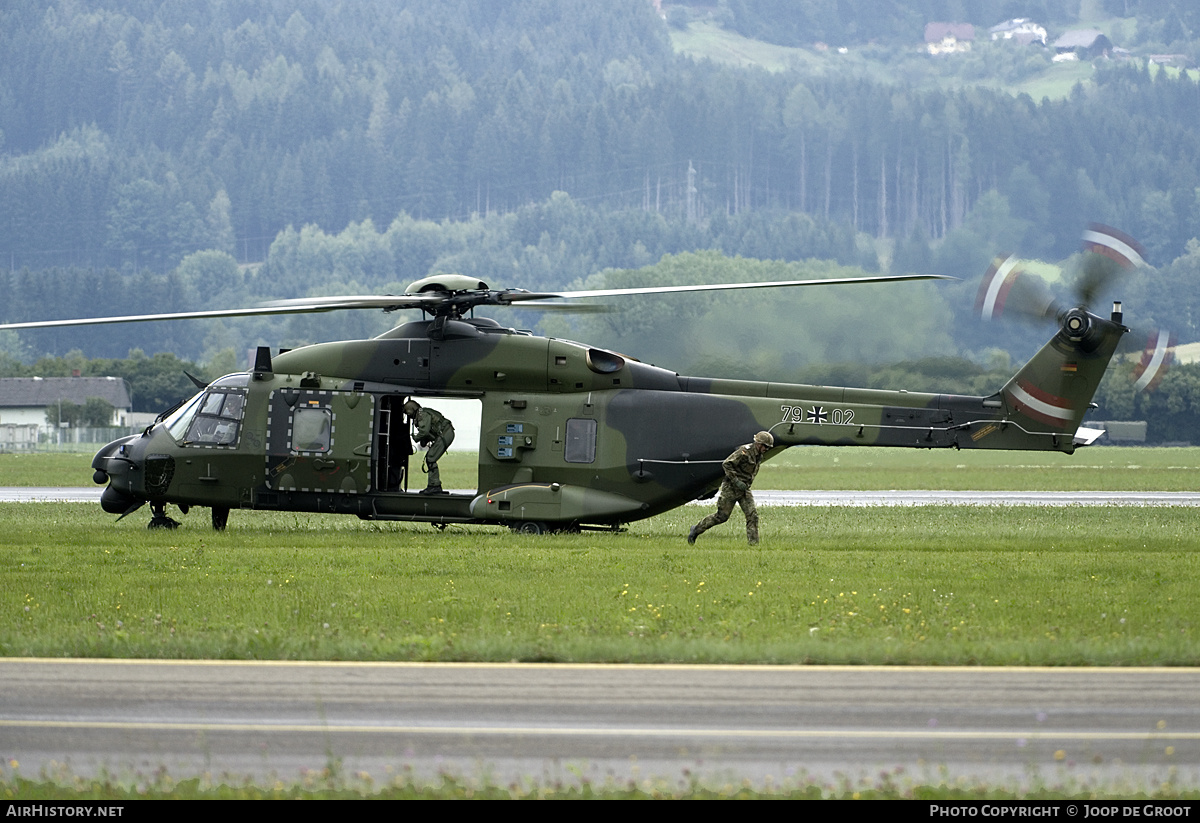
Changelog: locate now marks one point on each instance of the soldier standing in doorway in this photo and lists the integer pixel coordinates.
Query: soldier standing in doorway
(435, 433)
(740, 470)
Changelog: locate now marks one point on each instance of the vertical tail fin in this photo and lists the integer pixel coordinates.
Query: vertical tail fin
(1052, 392)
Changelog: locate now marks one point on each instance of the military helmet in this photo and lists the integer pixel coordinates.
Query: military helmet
(411, 408)
(765, 438)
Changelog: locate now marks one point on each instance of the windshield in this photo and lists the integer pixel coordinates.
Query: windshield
(177, 421)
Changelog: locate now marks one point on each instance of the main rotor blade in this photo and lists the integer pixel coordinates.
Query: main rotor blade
(432, 299)
(386, 302)
(304, 305)
(143, 318)
(769, 284)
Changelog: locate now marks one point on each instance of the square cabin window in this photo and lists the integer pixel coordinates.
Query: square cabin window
(581, 441)
(311, 430)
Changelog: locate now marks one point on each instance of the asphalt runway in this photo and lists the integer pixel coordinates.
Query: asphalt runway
(768, 497)
(552, 723)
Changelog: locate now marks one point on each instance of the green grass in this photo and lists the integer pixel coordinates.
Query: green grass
(997, 585)
(332, 784)
(705, 40)
(819, 467)
(708, 41)
(1057, 81)
(1089, 469)
(46, 469)
(978, 585)
(944, 585)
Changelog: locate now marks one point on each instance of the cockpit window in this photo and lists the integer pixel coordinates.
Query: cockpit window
(211, 418)
(178, 421)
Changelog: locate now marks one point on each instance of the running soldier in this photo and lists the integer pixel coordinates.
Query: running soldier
(740, 470)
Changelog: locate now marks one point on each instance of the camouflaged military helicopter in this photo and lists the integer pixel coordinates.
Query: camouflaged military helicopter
(573, 436)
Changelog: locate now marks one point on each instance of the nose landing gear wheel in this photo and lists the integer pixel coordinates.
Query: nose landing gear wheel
(159, 519)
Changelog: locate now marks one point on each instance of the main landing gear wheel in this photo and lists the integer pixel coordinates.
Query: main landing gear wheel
(530, 527)
(159, 519)
(220, 518)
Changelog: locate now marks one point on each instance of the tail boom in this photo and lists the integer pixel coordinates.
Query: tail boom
(1041, 408)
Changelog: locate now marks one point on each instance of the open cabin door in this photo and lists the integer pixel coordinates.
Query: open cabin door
(393, 446)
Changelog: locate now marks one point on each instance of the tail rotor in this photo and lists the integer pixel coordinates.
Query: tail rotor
(1009, 290)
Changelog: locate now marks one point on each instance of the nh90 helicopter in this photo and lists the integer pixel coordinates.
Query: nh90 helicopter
(572, 437)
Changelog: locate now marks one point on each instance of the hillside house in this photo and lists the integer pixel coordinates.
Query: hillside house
(948, 38)
(24, 400)
(1085, 44)
(1020, 30)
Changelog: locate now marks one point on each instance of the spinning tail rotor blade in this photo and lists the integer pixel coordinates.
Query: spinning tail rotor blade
(1113, 244)
(1110, 253)
(1107, 255)
(1156, 357)
(1007, 287)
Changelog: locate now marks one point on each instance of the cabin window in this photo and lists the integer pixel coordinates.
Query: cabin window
(581, 441)
(311, 430)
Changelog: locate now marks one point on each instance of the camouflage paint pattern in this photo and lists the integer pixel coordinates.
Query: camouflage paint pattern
(571, 435)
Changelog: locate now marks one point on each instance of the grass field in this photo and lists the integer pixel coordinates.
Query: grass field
(818, 467)
(989, 585)
(985, 585)
(708, 41)
(332, 784)
(944, 585)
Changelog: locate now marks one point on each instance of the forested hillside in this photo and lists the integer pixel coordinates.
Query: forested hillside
(158, 155)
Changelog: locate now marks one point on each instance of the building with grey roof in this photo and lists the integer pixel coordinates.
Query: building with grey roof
(24, 400)
(1088, 43)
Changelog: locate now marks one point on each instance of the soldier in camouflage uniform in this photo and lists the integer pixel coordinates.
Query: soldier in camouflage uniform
(740, 470)
(436, 433)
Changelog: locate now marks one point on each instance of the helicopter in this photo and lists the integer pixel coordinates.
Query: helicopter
(573, 436)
